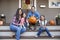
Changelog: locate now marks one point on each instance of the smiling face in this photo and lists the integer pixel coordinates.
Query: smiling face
(20, 12)
(42, 18)
(24, 15)
(32, 9)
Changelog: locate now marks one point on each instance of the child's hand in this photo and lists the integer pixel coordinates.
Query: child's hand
(27, 20)
(44, 27)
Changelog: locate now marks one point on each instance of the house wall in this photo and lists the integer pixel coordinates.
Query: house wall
(50, 13)
(8, 7)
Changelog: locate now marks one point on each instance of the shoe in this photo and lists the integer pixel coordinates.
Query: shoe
(13, 36)
(52, 36)
(36, 36)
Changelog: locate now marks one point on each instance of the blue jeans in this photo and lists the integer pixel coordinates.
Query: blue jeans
(41, 29)
(18, 30)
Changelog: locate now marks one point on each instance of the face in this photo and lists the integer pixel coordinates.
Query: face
(32, 9)
(20, 11)
(42, 18)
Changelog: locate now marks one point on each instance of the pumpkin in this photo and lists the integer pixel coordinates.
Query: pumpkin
(52, 22)
(32, 20)
(1, 23)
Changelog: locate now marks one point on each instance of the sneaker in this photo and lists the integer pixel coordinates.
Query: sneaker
(36, 36)
(52, 36)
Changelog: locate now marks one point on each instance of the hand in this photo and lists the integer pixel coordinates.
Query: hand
(27, 20)
(37, 19)
(44, 27)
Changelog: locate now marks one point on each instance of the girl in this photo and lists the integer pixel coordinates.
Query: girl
(42, 28)
(16, 24)
(23, 20)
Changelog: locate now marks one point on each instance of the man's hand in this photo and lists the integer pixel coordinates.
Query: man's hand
(37, 19)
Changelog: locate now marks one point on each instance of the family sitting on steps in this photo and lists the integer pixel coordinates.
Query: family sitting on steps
(20, 22)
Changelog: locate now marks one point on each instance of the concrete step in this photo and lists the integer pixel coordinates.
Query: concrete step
(30, 30)
(6, 34)
(54, 30)
(30, 37)
(29, 33)
(49, 27)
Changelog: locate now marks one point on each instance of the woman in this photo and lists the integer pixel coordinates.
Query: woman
(43, 23)
(16, 24)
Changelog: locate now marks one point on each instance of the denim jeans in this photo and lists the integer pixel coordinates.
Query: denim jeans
(18, 30)
(41, 29)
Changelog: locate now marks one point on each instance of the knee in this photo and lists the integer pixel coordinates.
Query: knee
(46, 28)
(40, 28)
(24, 29)
(18, 29)
(11, 27)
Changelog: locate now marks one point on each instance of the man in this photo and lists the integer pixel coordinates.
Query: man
(32, 12)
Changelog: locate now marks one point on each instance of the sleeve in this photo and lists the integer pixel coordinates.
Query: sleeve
(28, 15)
(27, 22)
(14, 21)
(38, 15)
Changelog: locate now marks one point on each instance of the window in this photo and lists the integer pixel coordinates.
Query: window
(26, 4)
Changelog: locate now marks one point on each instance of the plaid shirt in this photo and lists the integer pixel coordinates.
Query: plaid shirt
(14, 21)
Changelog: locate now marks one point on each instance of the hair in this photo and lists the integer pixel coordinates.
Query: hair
(1, 19)
(25, 17)
(17, 14)
(43, 16)
(33, 6)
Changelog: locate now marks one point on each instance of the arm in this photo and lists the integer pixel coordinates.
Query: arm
(14, 21)
(27, 22)
(40, 22)
(38, 15)
(29, 14)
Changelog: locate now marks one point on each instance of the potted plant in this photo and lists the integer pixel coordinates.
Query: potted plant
(58, 16)
(58, 19)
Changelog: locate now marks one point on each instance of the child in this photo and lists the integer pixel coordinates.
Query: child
(22, 21)
(42, 28)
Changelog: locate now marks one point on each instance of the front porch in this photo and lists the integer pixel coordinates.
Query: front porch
(6, 34)
(9, 7)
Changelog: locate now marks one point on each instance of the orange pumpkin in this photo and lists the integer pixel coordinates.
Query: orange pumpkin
(52, 22)
(32, 20)
(1, 23)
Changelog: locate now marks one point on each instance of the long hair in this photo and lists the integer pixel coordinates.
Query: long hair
(17, 14)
